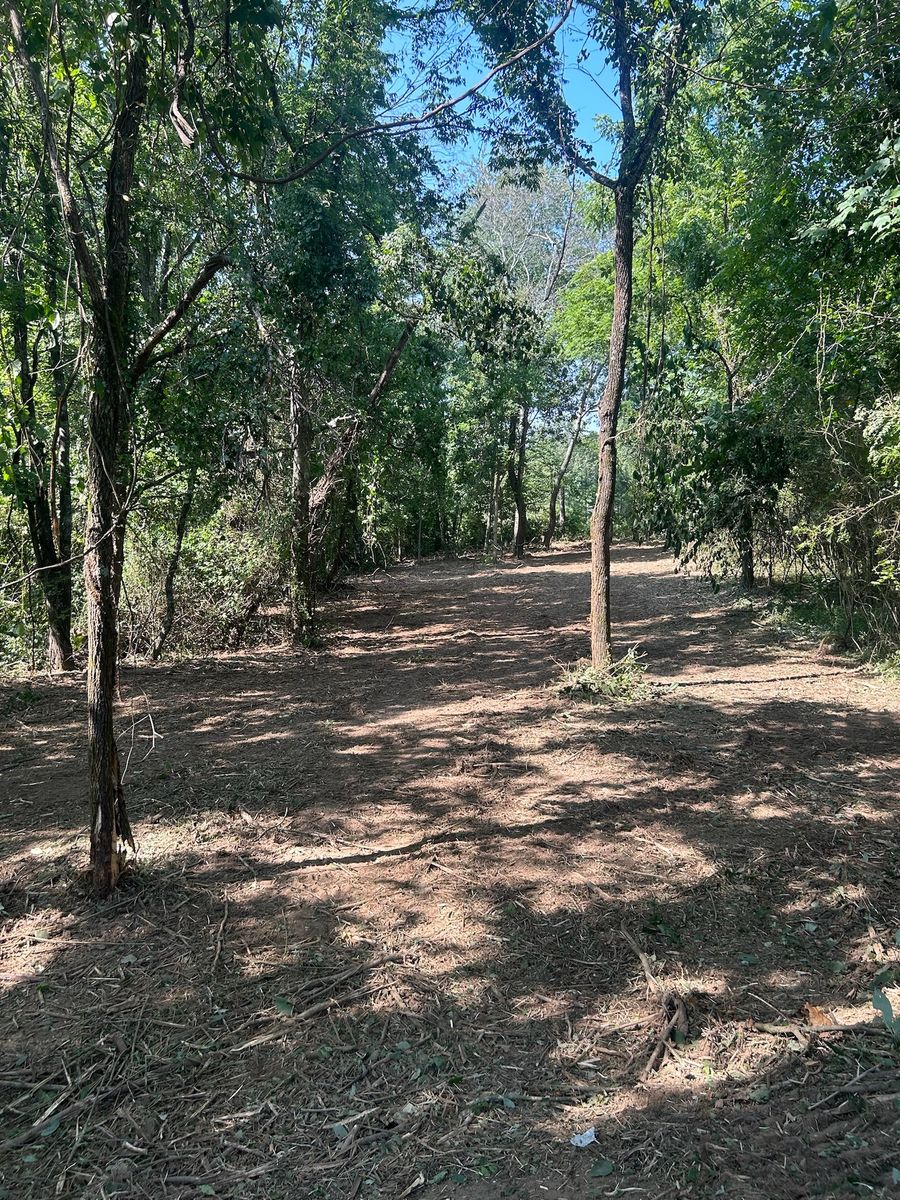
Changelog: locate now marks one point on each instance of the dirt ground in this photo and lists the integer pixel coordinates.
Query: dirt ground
(404, 920)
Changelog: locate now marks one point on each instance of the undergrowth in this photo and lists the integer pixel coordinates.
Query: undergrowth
(623, 681)
(818, 617)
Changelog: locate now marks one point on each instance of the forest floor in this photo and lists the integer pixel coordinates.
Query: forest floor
(405, 920)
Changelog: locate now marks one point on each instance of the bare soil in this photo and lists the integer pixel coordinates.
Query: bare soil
(404, 919)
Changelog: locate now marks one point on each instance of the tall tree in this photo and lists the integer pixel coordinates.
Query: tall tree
(648, 46)
(105, 274)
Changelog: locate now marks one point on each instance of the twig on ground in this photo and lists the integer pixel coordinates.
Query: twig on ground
(219, 935)
(652, 981)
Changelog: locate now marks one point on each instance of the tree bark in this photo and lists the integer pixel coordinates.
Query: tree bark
(303, 546)
(608, 412)
(105, 530)
(181, 524)
(515, 476)
(748, 569)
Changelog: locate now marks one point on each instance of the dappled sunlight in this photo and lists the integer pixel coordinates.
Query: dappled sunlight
(455, 872)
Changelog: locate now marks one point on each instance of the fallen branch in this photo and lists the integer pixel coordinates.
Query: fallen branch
(652, 982)
(63, 1114)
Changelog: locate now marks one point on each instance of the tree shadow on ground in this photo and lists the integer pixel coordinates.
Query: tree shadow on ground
(379, 941)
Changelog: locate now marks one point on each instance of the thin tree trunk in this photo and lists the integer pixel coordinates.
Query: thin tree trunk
(181, 525)
(574, 436)
(748, 569)
(104, 541)
(602, 515)
(303, 551)
(515, 475)
(105, 531)
(636, 147)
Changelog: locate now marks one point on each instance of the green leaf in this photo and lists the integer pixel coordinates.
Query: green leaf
(284, 1006)
(881, 1002)
(50, 1127)
(602, 1167)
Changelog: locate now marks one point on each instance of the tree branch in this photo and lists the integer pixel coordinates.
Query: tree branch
(411, 122)
(71, 213)
(142, 359)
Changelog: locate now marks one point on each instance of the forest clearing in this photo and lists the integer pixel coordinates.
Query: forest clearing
(449, 599)
(387, 933)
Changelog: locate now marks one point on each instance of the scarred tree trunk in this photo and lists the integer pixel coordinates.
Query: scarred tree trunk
(608, 412)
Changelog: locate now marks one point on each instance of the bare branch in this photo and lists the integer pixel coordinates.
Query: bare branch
(71, 213)
(142, 359)
(183, 127)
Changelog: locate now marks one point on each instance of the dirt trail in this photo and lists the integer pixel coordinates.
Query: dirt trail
(375, 945)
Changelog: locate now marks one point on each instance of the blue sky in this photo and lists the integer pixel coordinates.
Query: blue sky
(589, 90)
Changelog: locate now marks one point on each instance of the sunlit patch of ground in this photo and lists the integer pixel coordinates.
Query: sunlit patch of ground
(405, 920)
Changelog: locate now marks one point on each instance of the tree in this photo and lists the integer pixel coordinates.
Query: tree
(540, 237)
(105, 287)
(648, 47)
(256, 104)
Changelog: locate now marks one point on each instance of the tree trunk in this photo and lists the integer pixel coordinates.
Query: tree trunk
(51, 552)
(515, 475)
(105, 530)
(550, 531)
(58, 594)
(303, 556)
(608, 413)
(110, 830)
(552, 516)
(172, 570)
(748, 570)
